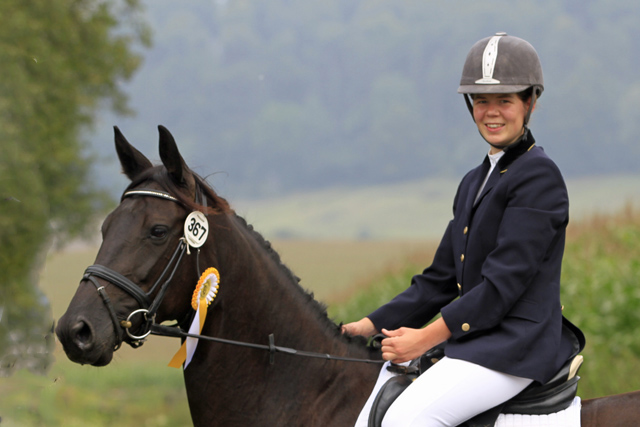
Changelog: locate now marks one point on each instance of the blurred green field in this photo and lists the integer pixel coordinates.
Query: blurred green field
(132, 393)
(600, 292)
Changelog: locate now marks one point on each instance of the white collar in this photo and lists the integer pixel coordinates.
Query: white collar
(493, 158)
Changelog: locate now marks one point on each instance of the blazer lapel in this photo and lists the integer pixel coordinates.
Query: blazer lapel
(511, 154)
(493, 178)
(476, 181)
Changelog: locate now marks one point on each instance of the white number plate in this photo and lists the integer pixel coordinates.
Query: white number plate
(196, 229)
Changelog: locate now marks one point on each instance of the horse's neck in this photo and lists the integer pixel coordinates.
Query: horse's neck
(259, 297)
(265, 297)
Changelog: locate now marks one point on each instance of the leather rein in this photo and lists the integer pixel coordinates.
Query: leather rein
(150, 307)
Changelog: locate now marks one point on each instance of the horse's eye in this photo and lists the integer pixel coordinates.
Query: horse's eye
(158, 232)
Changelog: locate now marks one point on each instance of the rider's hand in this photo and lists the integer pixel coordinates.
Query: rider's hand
(362, 327)
(405, 344)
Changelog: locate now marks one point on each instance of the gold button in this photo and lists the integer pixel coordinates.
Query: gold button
(459, 287)
(466, 230)
(462, 258)
(466, 327)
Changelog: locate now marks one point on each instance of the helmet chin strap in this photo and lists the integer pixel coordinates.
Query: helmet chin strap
(509, 146)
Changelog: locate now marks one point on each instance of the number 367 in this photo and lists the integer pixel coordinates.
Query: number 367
(197, 229)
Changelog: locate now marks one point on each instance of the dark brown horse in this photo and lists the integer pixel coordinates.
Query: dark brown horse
(143, 274)
(226, 385)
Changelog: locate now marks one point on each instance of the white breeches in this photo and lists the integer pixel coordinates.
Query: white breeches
(447, 394)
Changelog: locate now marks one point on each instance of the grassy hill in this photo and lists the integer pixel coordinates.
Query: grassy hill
(409, 210)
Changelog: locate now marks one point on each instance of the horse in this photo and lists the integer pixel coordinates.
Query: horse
(145, 273)
(258, 296)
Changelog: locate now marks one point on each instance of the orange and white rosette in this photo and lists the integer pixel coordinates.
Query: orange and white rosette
(203, 296)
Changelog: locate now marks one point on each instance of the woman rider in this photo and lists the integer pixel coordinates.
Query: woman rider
(495, 277)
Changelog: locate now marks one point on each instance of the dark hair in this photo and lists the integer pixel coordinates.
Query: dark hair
(526, 94)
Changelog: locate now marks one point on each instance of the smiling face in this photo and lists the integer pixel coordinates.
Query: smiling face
(500, 118)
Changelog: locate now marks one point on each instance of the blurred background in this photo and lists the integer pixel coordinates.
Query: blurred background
(333, 126)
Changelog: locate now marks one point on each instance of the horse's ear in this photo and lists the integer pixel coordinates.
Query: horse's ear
(173, 161)
(133, 162)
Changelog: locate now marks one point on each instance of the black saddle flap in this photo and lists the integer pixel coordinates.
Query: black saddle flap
(386, 396)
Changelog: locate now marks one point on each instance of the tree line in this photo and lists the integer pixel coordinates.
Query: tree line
(61, 61)
(289, 95)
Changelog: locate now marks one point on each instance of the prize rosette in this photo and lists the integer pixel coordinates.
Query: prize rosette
(204, 294)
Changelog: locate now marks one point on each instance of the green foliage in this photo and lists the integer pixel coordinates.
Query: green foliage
(61, 60)
(601, 295)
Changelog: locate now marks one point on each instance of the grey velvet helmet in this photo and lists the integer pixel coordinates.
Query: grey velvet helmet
(501, 64)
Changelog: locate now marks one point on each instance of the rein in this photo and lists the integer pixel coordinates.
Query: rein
(150, 307)
(172, 331)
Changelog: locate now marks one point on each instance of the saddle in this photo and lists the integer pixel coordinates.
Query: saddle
(537, 399)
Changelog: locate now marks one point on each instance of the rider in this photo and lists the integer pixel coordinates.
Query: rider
(495, 278)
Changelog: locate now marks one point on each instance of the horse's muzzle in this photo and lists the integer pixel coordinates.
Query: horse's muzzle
(81, 342)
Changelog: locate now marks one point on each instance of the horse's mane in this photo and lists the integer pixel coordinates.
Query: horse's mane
(308, 297)
(217, 204)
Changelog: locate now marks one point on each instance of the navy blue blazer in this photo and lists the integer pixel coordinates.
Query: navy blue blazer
(501, 255)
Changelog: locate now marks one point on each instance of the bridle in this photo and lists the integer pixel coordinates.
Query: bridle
(148, 307)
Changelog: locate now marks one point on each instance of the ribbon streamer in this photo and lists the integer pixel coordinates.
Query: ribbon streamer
(204, 294)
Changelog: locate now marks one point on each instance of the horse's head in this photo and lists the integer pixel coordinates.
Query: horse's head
(142, 264)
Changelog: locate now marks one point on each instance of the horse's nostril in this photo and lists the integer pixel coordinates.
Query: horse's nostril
(82, 335)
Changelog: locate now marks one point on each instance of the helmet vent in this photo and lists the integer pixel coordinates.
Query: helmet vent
(489, 58)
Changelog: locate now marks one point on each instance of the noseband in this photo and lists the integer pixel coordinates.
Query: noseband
(149, 307)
